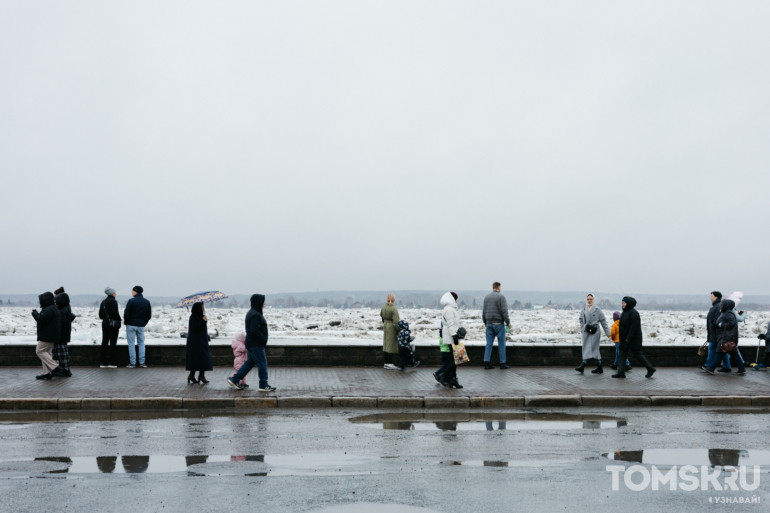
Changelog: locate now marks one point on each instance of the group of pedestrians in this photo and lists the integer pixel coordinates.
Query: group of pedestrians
(54, 328)
(136, 315)
(722, 335)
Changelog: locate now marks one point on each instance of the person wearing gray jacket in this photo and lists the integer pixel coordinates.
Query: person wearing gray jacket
(494, 315)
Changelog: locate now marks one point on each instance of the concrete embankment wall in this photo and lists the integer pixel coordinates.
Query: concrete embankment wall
(369, 355)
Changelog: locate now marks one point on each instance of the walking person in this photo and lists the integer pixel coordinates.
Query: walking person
(61, 351)
(48, 334)
(615, 333)
(256, 340)
(389, 316)
(239, 354)
(137, 314)
(631, 338)
(110, 316)
(198, 357)
(591, 319)
(450, 326)
(711, 331)
(727, 337)
(494, 315)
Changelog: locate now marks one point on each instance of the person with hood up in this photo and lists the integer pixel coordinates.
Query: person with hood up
(61, 351)
(405, 347)
(390, 319)
(256, 340)
(239, 354)
(110, 316)
(48, 334)
(591, 317)
(766, 338)
(631, 338)
(450, 326)
(727, 330)
(198, 357)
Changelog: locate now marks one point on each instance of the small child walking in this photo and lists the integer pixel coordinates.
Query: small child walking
(405, 346)
(615, 333)
(239, 354)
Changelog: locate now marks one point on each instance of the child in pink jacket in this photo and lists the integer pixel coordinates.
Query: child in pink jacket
(239, 352)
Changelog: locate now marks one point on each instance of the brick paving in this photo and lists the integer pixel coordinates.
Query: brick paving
(20, 382)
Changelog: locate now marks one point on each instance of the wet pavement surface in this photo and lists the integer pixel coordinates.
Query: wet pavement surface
(372, 461)
(20, 382)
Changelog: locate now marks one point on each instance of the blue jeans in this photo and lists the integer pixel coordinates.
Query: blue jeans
(617, 355)
(135, 334)
(256, 356)
(495, 331)
(715, 356)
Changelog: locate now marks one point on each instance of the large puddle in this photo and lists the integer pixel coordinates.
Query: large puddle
(464, 421)
(322, 464)
(697, 457)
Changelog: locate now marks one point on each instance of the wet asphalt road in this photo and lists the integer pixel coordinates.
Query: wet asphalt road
(512, 460)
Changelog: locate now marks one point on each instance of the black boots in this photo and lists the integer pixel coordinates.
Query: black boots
(598, 370)
(202, 378)
(581, 367)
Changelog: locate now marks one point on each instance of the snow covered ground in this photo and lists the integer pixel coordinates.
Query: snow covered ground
(328, 326)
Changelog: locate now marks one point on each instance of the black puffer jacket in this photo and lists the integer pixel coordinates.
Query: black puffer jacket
(138, 311)
(630, 325)
(63, 303)
(109, 310)
(727, 324)
(256, 325)
(48, 320)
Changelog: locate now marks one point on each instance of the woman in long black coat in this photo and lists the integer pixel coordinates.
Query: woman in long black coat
(198, 356)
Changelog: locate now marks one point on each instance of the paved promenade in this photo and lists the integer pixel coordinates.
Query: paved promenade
(166, 388)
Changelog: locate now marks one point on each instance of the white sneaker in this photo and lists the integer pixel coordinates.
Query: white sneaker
(390, 366)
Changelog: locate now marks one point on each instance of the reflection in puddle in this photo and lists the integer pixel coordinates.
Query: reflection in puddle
(211, 465)
(697, 457)
(488, 421)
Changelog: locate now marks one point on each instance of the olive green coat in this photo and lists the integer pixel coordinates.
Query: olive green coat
(389, 314)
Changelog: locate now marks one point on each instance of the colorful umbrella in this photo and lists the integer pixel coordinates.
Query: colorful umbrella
(201, 297)
(736, 296)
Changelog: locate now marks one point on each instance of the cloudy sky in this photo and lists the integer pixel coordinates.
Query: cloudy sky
(369, 145)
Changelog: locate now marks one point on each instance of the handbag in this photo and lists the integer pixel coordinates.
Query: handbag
(727, 346)
(704, 349)
(591, 328)
(460, 354)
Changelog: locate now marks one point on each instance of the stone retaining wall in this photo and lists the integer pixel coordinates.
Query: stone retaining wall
(361, 356)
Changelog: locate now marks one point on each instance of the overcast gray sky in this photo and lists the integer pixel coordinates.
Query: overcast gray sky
(301, 145)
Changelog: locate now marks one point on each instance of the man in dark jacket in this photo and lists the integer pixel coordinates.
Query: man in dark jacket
(494, 315)
(631, 338)
(137, 314)
(48, 333)
(256, 340)
(711, 329)
(61, 351)
(727, 329)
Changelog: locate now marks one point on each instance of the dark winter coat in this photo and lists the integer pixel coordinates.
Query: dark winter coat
(109, 310)
(198, 355)
(48, 319)
(63, 303)
(405, 337)
(631, 326)
(711, 321)
(138, 311)
(727, 324)
(256, 325)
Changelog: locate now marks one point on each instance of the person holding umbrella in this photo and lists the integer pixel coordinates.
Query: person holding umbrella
(256, 340)
(198, 355)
